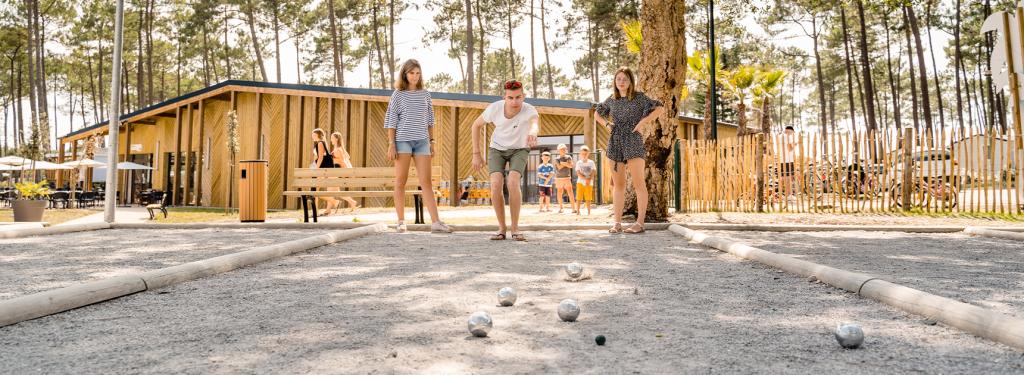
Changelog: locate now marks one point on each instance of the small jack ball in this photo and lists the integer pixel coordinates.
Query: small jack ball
(600, 340)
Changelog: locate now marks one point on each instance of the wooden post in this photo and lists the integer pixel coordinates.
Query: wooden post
(454, 189)
(125, 182)
(60, 159)
(908, 176)
(176, 165)
(200, 153)
(589, 130)
(286, 169)
(187, 194)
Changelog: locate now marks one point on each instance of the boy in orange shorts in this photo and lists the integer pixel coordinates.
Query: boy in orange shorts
(585, 172)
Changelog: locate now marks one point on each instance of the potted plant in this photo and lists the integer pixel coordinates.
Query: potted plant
(31, 201)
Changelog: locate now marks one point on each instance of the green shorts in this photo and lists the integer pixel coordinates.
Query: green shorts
(515, 158)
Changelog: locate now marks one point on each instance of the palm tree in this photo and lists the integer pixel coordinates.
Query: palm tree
(767, 84)
(738, 84)
(699, 70)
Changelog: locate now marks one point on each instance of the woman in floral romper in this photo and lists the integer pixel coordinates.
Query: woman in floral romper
(626, 113)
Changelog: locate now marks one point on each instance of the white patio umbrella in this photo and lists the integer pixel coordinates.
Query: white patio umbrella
(84, 163)
(43, 165)
(132, 167)
(14, 160)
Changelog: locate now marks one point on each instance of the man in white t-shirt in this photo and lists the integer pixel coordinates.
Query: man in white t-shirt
(515, 132)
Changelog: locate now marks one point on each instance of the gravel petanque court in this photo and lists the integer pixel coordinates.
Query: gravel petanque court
(392, 303)
(36, 264)
(983, 271)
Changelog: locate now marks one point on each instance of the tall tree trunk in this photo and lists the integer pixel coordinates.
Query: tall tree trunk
(92, 91)
(227, 50)
(206, 58)
(391, 38)
(935, 68)
(483, 50)
(547, 56)
(662, 74)
(849, 71)
(99, 81)
(277, 38)
(44, 118)
(957, 64)
(819, 76)
(469, 47)
(869, 87)
(926, 109)
(533, 59)
(376, 41)
(334, 42)
(893, 85)
(148, 50)
(20, 130)
(30, 57)
(139, 59)
(511, 52)
(913, 80)
(298, 57)
(178, 75)
(255, 40)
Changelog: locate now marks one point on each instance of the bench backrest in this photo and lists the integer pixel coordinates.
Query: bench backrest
(371, 177)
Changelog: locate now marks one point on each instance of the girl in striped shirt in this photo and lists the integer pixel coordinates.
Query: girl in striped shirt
(410, 126)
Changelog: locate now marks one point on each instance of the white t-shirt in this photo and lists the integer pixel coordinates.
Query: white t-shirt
(586, 168)
(509, 133)
(789, 156)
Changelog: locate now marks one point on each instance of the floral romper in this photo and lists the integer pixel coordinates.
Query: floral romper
(624, 143)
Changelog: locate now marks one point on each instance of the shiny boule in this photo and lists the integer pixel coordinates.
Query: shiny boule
(480, 324)
(568, 310)
(850, 335)
(507, 296)
(574, 270)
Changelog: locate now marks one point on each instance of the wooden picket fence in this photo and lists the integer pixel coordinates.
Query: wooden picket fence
(941, 172)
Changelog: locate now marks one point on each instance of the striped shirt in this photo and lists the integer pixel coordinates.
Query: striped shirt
(410, 113)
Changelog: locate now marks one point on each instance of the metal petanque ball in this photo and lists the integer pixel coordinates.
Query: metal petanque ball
(574, 270)
(507, 296)
(480, 324)
(850, 335)
(568, 310)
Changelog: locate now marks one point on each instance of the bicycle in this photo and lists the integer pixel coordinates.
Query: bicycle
(928, 190)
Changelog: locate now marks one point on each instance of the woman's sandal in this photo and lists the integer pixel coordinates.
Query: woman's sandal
(616, 229)
(498, 237)
(633, 229)
(518, 237)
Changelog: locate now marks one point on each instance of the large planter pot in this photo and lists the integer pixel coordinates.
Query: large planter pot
(26, 210)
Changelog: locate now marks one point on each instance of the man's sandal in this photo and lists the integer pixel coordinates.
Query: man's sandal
(518, 237)
(498, 237)
(635, 229)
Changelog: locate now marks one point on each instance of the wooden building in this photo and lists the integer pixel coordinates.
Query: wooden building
(184, 139)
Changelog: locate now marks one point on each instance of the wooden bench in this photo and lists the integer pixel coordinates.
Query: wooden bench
(371, 182)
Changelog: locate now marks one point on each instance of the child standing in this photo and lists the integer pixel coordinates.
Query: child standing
(563, 178)
(585, 169)
(545, 177)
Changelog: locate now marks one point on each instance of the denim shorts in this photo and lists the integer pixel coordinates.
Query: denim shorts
(418, 147)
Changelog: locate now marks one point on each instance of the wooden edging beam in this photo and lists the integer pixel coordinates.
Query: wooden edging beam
(979, 321)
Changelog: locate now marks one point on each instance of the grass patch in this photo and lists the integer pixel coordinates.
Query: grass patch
(177, 215)
(52, 216)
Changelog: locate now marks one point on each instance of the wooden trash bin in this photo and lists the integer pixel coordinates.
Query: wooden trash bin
(252, 191)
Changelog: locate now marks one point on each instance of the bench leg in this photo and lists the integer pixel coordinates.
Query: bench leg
(305, 210)
(150, 210)
(164, 210)
(316, 210)
(418, 205)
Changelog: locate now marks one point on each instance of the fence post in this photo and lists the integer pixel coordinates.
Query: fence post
(759, 165)
(677, 173)
(908, 175)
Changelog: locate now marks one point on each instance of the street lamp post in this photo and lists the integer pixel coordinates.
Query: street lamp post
(713, 68)
(114, 119)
